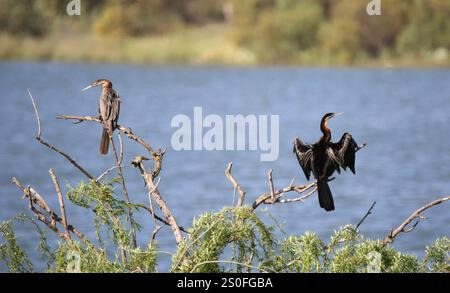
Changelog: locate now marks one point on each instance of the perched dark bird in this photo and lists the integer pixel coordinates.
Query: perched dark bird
(324, 157)
(109, 109)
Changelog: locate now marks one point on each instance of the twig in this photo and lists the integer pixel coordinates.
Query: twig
(365, 216)
(268, 199)
(125, 130)
(61, 202)
(301, 198)
(152, 212)
(235, 184)
(119, 158)
(271, 188)
(53, 148)
(106, 172)
(35, 198)
(415, 215)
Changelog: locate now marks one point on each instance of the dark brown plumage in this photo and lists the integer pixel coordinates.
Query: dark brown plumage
(324, 158)
(109, 109)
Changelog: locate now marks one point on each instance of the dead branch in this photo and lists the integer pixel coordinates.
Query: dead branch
(274, 196)
(415, 215)
(271, 188)
(153, 191)
(61, 202)
(235, 184)
(125, 130)
(53, 148)
(35, 198)
(365, 216)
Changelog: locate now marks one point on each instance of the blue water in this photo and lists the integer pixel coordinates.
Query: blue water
(401, 114)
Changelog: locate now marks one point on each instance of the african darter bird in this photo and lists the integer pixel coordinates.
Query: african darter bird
(324, 157)
(109, 109)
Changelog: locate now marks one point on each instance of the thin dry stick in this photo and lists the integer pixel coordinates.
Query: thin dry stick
(271, 188)
(365, 216)
(152, 212)
(35, 198)
(53, 148)
(268, 199)
(274, 196)
(415, 215)
(235, 184)
(61, 202)
(301, 198)
(119, 158)
(125, 130)
(106, 172)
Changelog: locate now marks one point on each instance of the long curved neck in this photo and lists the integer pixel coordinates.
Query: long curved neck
(107, 92)
(326, 131)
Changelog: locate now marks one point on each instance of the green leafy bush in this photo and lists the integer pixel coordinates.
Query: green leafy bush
(231, 240)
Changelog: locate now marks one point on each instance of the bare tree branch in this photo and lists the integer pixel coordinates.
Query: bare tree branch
(35, 198)
(153, 191)
(53, 148)
(61, 202)
(415, 215)
(365, 216)
(271, 188)
(125, 130)
(235, 184)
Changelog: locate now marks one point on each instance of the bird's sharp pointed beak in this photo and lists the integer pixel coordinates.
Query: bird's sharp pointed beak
(86, 88)
(338, 114)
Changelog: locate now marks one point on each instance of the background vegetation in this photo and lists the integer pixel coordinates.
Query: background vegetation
(319, 32)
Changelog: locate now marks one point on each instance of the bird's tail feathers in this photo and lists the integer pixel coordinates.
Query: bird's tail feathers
(104, 143)
(325, 196)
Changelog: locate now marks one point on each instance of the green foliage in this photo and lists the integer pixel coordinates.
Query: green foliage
(231, 240)
(304, 253)
(211, 234)
(15, 258)
(437, 257)
(26, 17)
(429, 28)
(252, 31)
(95, 260)
(110, 212)
(283, 31)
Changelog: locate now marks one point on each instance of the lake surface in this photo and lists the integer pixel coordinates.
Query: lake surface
(403, 115)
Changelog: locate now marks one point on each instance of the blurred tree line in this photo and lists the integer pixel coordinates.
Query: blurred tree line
(274, 30)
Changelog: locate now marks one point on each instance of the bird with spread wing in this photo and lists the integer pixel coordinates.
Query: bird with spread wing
(324, 157)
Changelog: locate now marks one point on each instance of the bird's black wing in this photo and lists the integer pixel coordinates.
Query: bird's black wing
(345, 150)
(304, 155)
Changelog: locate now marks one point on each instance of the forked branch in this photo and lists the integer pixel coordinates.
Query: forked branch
(417, 214)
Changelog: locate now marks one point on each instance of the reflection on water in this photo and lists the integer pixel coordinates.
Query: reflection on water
(402, 114)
